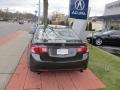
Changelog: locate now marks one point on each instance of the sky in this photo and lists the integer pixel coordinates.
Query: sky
(29, 6)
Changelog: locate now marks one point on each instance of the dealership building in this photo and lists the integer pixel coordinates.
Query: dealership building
(111, 16)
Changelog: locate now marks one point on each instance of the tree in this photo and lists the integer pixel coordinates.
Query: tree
(67, 22)
(62, 23)
(87, 27)
(7, 15)
(90, 26)
(71, 24)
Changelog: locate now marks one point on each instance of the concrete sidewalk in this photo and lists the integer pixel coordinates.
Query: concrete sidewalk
(10, 54)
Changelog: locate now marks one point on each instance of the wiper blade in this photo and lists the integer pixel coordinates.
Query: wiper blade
(54, 32)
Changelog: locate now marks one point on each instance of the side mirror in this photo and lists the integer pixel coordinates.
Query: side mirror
(31, 32)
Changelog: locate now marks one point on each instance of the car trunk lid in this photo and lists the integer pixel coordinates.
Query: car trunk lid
(60, 51)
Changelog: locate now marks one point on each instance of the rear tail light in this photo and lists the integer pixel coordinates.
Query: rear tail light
(82, 49)
(39, 49)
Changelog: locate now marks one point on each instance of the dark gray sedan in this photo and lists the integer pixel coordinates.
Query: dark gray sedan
(57, 49)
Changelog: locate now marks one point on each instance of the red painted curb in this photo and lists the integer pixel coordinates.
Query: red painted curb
(24, 79)
(10, 37)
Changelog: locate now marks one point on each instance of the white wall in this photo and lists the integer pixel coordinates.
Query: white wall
(112, 8)
(98, 25)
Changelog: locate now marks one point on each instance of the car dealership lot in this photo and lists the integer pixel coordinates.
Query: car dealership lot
(11, 57)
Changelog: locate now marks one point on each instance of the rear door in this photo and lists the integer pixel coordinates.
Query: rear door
(115, 37)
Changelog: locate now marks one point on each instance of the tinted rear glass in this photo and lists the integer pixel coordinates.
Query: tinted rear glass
(57, 35)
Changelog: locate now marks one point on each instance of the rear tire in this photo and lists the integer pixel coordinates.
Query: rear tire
(35, 71)
(81, 70)
(39, 72)
(31, 69)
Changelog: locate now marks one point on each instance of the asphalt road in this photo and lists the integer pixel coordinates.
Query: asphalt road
(9, 27)
(112, 49)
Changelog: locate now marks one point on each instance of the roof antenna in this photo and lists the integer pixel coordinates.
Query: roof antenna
(39, 14)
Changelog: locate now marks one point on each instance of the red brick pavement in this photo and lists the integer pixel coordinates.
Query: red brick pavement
(24, 79)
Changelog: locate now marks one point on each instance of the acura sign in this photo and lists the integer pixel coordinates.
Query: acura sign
(79, 9)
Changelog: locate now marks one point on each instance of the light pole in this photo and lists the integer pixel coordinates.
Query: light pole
(39, 14)
(45, 14)
(35, 19)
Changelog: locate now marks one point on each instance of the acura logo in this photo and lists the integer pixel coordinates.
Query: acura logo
(79, 4)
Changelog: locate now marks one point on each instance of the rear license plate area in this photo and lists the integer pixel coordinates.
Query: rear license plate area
(62, 51)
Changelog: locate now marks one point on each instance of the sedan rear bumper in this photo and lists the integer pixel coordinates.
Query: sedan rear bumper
(40, 66)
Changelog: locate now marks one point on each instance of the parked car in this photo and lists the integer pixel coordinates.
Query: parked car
(111, 37)
(21, 22)
(57, 49)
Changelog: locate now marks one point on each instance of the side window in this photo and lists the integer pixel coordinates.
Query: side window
(116, 33)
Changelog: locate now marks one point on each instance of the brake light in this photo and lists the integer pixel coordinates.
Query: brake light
(83, 49)
(39, 49)
(43, 49)
(34, 49)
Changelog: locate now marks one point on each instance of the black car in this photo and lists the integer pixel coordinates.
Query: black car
(111, 37)
(21, 22)
(57, 49)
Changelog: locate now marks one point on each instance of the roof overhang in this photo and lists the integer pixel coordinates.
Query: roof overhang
(108, 17)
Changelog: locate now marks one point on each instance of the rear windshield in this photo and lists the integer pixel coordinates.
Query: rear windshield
(58, 35)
